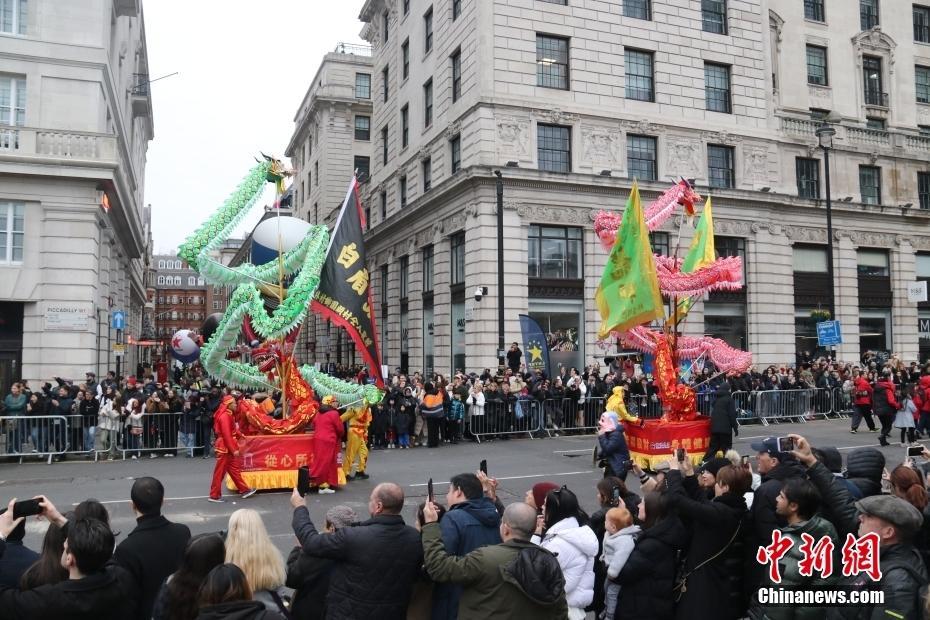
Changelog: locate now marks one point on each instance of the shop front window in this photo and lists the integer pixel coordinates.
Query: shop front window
(727, 322)
(875, 331)
(458, 336)
(428, 331)
(563, 322)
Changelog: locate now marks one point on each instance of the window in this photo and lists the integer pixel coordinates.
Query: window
(12, 104)
(924, 130)
(876, 124)
(428, 29)
(714, 16)
(641, 157)
(362, 86)
(13, 16)
(639, 9)
(639, 75)
(403, 191)
(809, 259)
(385, 80)
(383, 206)
(406, 6)
(554, 144)
(362, 165)
(201, 282)
(216, 305)
(554, 252)
(872, 80)
(455, 147)
(551, 62)
(404, 276)
(456, 75)
(923, 190)
(427, 269)
(191, 280)
(427, 174)
(457, 258)
(363, 128)
(816, 65)
(808, 174)
(405, 58)
(921, 24)
(819, 114)
(316, 172)
(161, 264)
(456, 9)
(161, 280)
(367, 223)
(922, 81)
(177, 280)
(384, 145)
(813, 10)
(562, 2)
(428, 103)
(870, 184)
(868, 14)
(404, 126)
(385, 25)
(720, 166)
(731, 246)
(872, 262)
(658, 241)
(717, 87)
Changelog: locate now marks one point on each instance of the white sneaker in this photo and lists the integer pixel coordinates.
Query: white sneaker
(134, 457)
(169, 455)
(153, 456)
(326, 491)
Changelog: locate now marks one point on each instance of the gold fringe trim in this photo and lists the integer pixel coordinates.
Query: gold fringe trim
(273, 479)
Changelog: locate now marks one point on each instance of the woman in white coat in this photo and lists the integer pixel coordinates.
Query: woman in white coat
(564, 531)
(475, 402)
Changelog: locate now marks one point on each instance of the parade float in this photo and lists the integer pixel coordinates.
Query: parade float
(644, 299)
(252, 346)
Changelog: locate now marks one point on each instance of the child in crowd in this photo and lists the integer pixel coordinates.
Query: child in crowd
(907, 416)
(619, 540)
(456, 415)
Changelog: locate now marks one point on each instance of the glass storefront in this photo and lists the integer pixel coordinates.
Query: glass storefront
(563, 323)
(726, 322)
(805, 334)
(923, 333)
(875, 330)
(428, 331)
(404, 343)
(458, 337)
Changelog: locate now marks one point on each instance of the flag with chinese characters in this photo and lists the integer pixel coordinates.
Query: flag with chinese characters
(535, 345)
(703, 252)
(344, 294)
(628, 294)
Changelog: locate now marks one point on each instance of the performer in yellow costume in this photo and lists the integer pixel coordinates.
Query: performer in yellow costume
(356, 442)
(615, 403)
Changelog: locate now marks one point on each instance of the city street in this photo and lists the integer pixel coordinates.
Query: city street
(517, 464)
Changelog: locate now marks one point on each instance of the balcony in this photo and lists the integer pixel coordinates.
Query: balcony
(355, 50)
(141, 95)
(799, 127)
(55, 144)
(876, 98)
(868, 137)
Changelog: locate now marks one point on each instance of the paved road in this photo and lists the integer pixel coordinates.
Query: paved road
(518, 464)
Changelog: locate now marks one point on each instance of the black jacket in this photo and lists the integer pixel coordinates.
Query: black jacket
(648, 577)
(715, 591)
(309, 577)
(239, 610)
(763, 502)
(151, 552)
(864, 467)
(15, 562)
(106, 595)
(723, 413)
(377, 562)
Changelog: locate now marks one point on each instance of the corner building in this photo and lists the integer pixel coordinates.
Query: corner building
(573, 99)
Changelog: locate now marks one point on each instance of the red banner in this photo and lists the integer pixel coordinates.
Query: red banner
(276, 452)
(654, 442)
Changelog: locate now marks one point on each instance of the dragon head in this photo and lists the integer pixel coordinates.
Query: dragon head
(270, 353)
(688, 196)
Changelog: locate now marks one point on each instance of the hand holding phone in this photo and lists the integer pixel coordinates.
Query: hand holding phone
(26, 508)
(615, 496)
(785, 444)
(680, 455)
(744, 460)
(913, 451)
(483, 467)
(429, 490)
(303, 480)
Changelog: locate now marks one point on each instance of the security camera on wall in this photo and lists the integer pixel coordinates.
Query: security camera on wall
(480, 292)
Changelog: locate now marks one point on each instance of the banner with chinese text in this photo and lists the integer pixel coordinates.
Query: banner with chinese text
(654, 443)
(344, 294)
(271, 461)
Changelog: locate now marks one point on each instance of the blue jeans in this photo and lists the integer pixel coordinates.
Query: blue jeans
(187, 441)
(89, 433)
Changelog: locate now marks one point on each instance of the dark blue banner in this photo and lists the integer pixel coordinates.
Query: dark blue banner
(535, 345)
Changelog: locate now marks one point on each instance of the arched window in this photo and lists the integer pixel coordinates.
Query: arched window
(161, 264)
(177, 280)
(191, 280)
(161, 280)
(200, 282)
(174, 316)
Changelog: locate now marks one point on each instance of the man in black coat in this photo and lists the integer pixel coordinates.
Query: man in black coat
(377, 561)
(155, 548)
(17, 557)
(722, 423)
(93, 590)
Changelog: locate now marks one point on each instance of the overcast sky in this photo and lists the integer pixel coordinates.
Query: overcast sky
(244, 68)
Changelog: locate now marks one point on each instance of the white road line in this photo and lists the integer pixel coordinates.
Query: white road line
(570, 451)
(228, 498)
(567, 473)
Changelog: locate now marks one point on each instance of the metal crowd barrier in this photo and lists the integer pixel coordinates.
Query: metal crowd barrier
(34, 435)
(777, 406)
(159, 434)
(498, 420)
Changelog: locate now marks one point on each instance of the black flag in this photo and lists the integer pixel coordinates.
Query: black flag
(344, 294)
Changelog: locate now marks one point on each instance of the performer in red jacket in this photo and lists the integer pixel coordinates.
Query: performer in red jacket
(226, 446)
(862, 402)
(327, 438)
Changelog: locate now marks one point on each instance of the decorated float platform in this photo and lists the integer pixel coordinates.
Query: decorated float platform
(654, 442)
(271, 461)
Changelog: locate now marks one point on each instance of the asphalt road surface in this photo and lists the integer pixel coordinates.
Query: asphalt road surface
(517, 464)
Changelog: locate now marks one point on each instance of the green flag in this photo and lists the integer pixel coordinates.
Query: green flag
(628, 294)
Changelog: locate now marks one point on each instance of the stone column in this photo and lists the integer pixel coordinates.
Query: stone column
(595, 257)
(415, 306)
(770, 296)
(904, 332)
(442, 307)
(846, 270)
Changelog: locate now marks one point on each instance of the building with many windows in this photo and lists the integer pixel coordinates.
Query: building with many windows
(571, 100)
(75, 123)
(183, 300)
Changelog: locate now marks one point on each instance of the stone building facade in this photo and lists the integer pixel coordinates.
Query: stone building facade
(572, 100)
(75, 123)
(332, 137)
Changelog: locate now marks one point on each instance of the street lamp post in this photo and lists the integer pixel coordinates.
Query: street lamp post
(825, 133)
(500, 269)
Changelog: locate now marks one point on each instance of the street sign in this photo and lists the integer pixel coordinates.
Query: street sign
(829, 333)
(119, 350)
(917, 291)
(118, 319)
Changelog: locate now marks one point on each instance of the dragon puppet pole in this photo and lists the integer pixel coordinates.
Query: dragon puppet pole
(710, 378)
(283, 369)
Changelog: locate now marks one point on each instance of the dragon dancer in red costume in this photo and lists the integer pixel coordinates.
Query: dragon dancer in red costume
(327, 439)
(226, 430)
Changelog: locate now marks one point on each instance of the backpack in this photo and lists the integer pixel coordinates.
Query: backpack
(880, 405)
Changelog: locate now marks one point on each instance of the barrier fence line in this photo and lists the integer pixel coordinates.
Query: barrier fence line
(184, 433)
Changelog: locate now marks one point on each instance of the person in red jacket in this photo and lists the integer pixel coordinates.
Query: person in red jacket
(227, 450)
(922, 400)
(884, 404)
(862, 402)
(327, 440)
